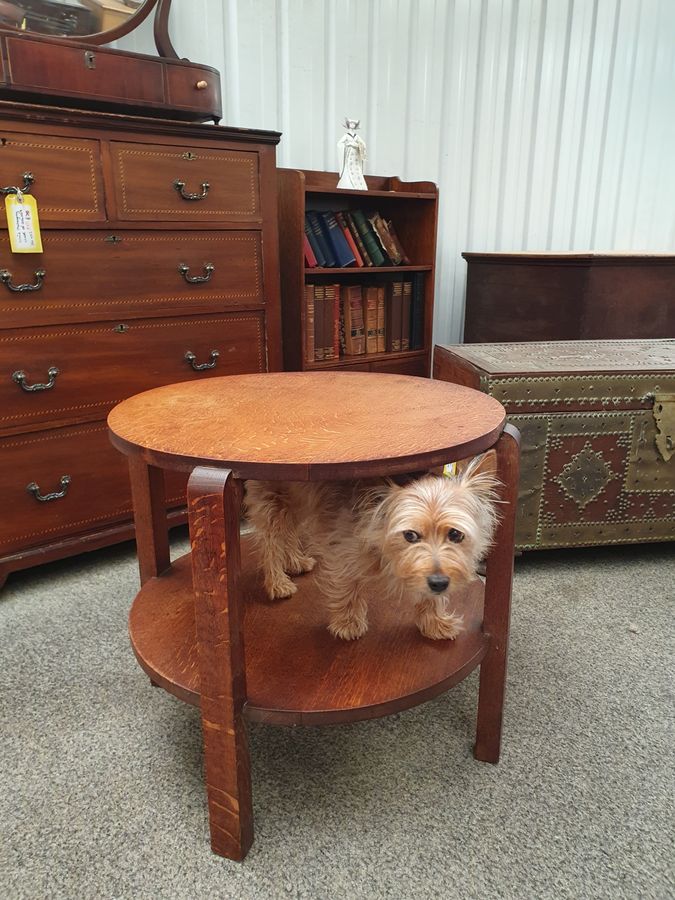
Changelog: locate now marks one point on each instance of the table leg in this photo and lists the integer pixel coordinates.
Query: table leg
(498, 580)
(214, 503)
(152, 531)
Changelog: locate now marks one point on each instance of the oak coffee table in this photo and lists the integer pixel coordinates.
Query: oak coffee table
(202, 627)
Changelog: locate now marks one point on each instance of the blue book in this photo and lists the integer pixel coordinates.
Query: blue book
(315, 221)
(314, 244)
(338, 242)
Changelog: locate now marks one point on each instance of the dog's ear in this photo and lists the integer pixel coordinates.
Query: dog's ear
(480, 474)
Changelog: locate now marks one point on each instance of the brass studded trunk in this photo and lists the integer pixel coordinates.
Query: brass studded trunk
(597, 420)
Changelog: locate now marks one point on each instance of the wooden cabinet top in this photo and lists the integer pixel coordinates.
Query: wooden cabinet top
(570, 258)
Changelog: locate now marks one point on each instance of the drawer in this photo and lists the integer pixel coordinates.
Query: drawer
(167, 182)
(99, 365)
(94, 275)
(67, 182)
(72, 71)
(194, 87)
(98, 493)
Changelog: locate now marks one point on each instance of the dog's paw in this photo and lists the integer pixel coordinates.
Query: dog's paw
(445, 627)
(348, 629)
(280, 589)
(301, 565)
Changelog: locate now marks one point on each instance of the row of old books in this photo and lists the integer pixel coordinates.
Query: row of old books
(351, 237)
(355, 319)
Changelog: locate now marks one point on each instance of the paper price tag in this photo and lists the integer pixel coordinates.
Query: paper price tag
(23, 223)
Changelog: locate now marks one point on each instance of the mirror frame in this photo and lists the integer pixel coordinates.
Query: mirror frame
(161, 29)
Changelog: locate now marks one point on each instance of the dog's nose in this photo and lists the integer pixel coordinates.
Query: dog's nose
(438, 583)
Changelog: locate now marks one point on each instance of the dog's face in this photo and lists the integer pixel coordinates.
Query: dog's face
(434, 531)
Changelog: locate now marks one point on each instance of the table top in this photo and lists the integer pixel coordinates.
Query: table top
(307, 426)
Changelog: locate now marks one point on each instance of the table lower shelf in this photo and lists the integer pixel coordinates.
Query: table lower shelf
(297, 673)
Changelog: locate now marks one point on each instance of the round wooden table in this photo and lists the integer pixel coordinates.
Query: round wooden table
(202, 627)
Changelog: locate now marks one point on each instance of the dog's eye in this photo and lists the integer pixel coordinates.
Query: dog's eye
(411, 536)
(455, 536)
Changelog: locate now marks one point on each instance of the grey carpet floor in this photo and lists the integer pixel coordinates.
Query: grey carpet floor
(101, 791)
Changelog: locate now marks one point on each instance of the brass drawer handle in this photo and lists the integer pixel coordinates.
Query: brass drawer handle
(200, 367)
(6, 279)
(33, 489)
(28, 180)
(186, 195)
(196, 279)
(20, 378)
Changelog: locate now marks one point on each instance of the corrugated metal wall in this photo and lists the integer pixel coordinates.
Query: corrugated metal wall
(547, 124)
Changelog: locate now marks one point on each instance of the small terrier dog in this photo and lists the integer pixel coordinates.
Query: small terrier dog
(377, 539)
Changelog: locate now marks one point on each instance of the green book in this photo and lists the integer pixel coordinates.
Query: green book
(368, 235)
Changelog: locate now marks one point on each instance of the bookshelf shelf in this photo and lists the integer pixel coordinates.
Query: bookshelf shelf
(371, 270)
(351, 361)
(398, 195)
(413, 209)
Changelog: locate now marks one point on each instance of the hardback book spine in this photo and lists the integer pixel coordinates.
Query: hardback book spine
(406, 315)
(330, 325)
(309, 323)
(356, 234)
(341, 320)
(310, 258)
(342, 222)
(381, 326)
(393, 311)
(368, 236)
(370, 309)
(405, 261)
(313, 243)
(338, 244)
(382, 234)
(417, 312)
(318, 322)
(355, 337)
(337, 341)
(317, 231)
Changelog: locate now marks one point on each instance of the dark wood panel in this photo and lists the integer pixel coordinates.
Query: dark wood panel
(99, 365)
(98, 493)
(94, 275)
(146, 179)
(532, 297)
(55, 68)
(192, 87)
(66, 172)
(416, 365)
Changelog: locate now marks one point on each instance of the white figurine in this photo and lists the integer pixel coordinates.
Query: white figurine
(351, 156)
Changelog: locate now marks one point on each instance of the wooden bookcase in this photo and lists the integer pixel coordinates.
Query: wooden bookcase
(413, 208)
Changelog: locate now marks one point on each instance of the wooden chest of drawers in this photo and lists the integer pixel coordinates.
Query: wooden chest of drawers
(159, 264)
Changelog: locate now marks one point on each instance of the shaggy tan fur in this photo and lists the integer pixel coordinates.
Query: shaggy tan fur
(376, 540)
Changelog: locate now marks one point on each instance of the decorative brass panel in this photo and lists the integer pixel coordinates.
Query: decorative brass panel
(584, 476)
(590, 478)
(647, 470)
(664, 416)
(564, 393)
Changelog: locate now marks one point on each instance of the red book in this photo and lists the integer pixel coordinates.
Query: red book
(310, 259)
(349, 238)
